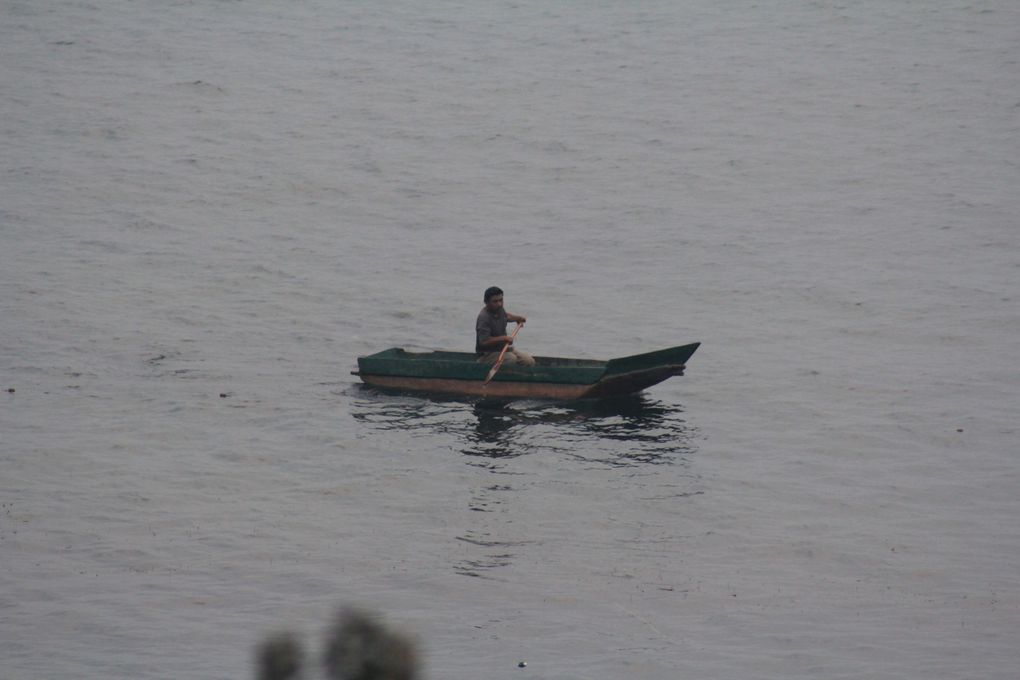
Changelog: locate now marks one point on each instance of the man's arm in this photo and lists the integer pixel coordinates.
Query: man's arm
(492, 343)
(496, 342)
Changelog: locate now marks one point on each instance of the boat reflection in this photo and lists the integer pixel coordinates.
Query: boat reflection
(621, 432)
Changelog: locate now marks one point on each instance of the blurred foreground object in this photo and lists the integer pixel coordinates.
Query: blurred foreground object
(279, 657)
(358, 647)
(361, 648)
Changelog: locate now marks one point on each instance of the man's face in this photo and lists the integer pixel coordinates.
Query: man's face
(495, 303)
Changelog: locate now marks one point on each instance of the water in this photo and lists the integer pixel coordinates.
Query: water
(210, 210)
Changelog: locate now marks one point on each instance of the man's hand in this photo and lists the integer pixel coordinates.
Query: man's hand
(496, 342)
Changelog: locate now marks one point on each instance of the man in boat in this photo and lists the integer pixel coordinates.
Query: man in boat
(490, 332)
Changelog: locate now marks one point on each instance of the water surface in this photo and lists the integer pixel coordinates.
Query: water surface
(210, 210)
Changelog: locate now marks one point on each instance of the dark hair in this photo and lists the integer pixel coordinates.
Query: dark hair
(492, 291)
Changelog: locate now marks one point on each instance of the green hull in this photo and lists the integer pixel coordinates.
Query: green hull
(550, 378)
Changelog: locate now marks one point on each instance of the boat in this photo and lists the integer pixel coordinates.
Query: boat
(462, 373)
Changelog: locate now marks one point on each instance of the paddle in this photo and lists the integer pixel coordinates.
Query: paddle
(499, 360)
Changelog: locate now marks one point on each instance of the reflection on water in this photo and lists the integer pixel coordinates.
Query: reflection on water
(622, 432)
(625, 433)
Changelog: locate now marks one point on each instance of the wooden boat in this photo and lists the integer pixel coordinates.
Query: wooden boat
(550, 377)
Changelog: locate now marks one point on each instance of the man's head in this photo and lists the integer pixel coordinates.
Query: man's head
(493, 298)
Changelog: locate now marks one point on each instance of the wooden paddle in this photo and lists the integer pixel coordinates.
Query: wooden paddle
(499, 360)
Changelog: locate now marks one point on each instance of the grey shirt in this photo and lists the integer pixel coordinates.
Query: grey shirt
(489, 326)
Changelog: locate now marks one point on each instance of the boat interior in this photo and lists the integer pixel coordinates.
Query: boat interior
(441, 355)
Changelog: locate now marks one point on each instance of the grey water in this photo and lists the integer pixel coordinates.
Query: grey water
(209, 210)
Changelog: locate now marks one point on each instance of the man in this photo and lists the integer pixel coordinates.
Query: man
(490, 332)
